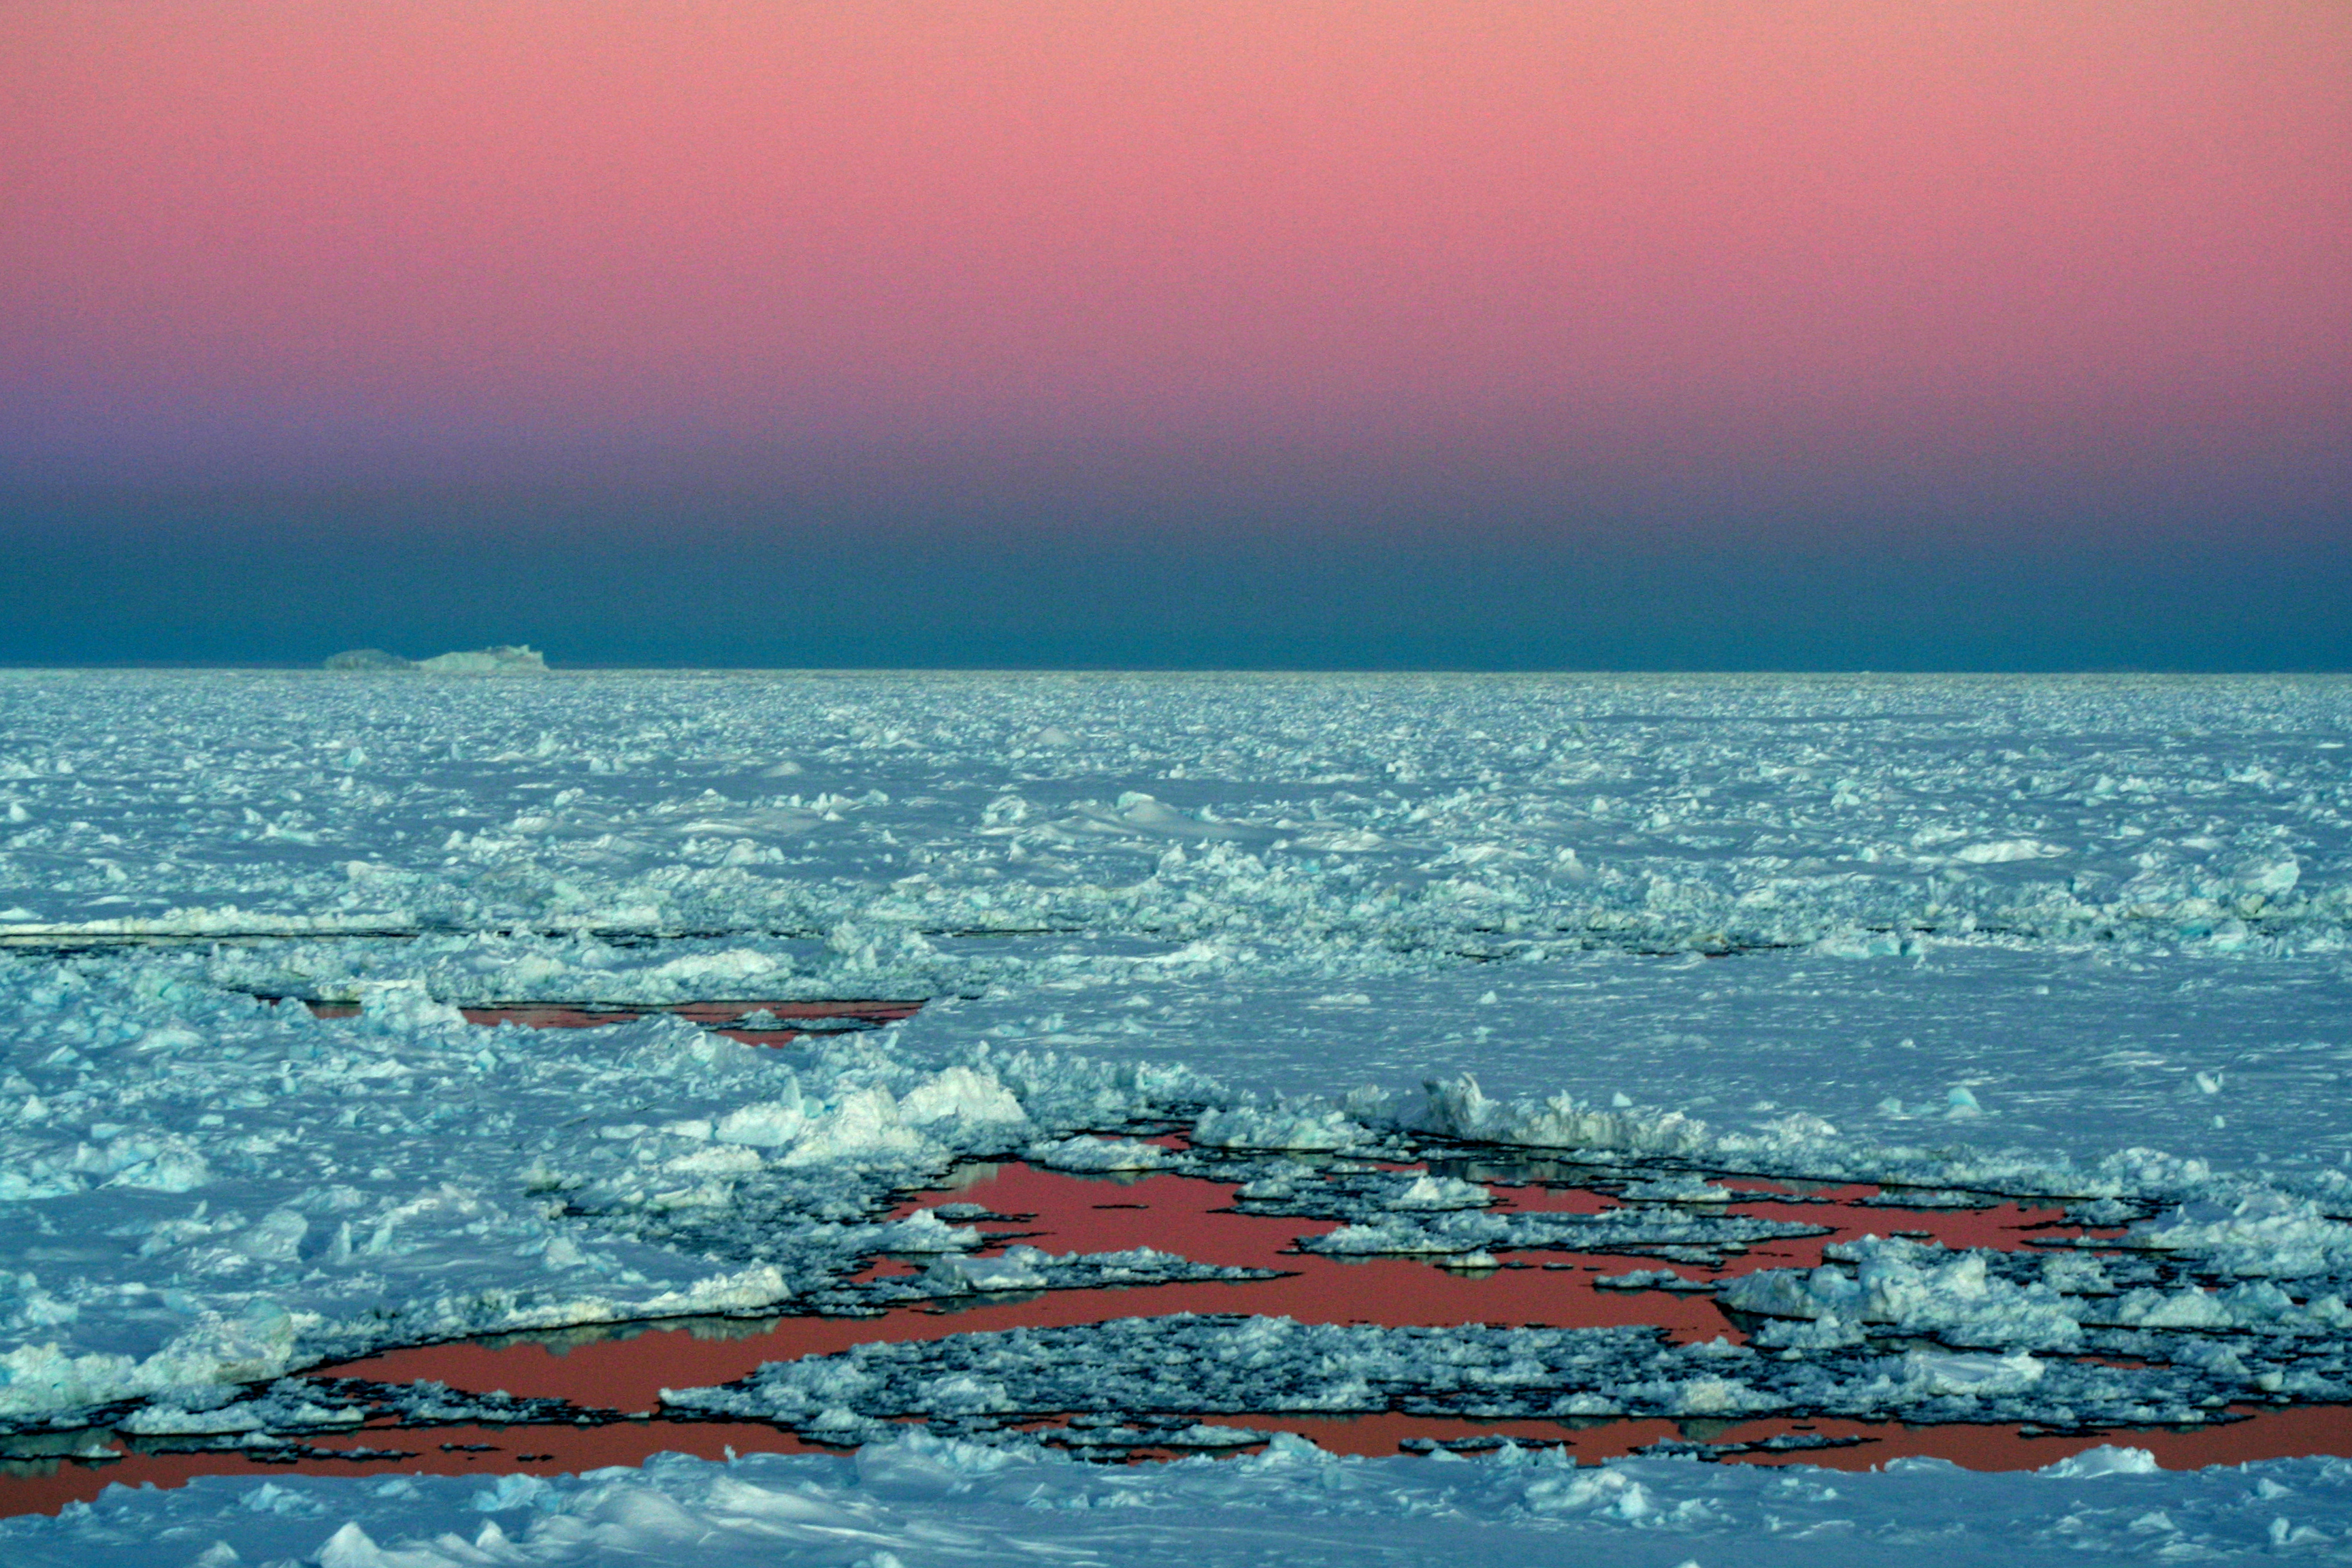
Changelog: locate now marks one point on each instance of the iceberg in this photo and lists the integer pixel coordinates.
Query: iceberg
(502, 659)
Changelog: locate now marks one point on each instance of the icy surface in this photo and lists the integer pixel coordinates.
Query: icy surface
(200, 1189)
(920, 1501)
(1259, 1366)
(1423, 817)
(2083, 937)
(2107, 911)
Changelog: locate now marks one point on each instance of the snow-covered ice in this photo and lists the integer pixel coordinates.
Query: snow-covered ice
(920, 1500)
(203, 1189)
(1241, 1365)
(2076, 937)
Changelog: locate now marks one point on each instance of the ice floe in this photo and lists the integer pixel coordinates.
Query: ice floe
(2083, 940)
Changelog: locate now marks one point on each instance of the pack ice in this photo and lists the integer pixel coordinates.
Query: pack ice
(2076, 938)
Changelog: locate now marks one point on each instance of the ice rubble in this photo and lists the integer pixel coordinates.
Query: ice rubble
(2001, 935)
(282, 1420)
(1376, 822)
(1284, 1126)
(1461, 1109)
(1250, 856)
(1650, 1279)
(920, 1500)
(1032, 1269)
(1241, 1365)
(2216, 1307)
(1091, 1154)
(1257, 1365)
(211, 1190)
(1648, 1230)
(254, 1189)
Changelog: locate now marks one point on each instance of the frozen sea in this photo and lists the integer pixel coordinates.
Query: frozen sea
(2078, 937)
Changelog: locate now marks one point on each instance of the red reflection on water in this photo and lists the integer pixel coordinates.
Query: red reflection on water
(569, 1450)
(629, 1370)
(1192, 1218)
(551, 1450)
(1183, 1215)
(720, 1017)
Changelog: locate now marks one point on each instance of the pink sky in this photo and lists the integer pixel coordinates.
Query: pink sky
(1841, 242)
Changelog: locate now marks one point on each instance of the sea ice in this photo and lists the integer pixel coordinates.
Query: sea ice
(917, 1499)
(2076, 938)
